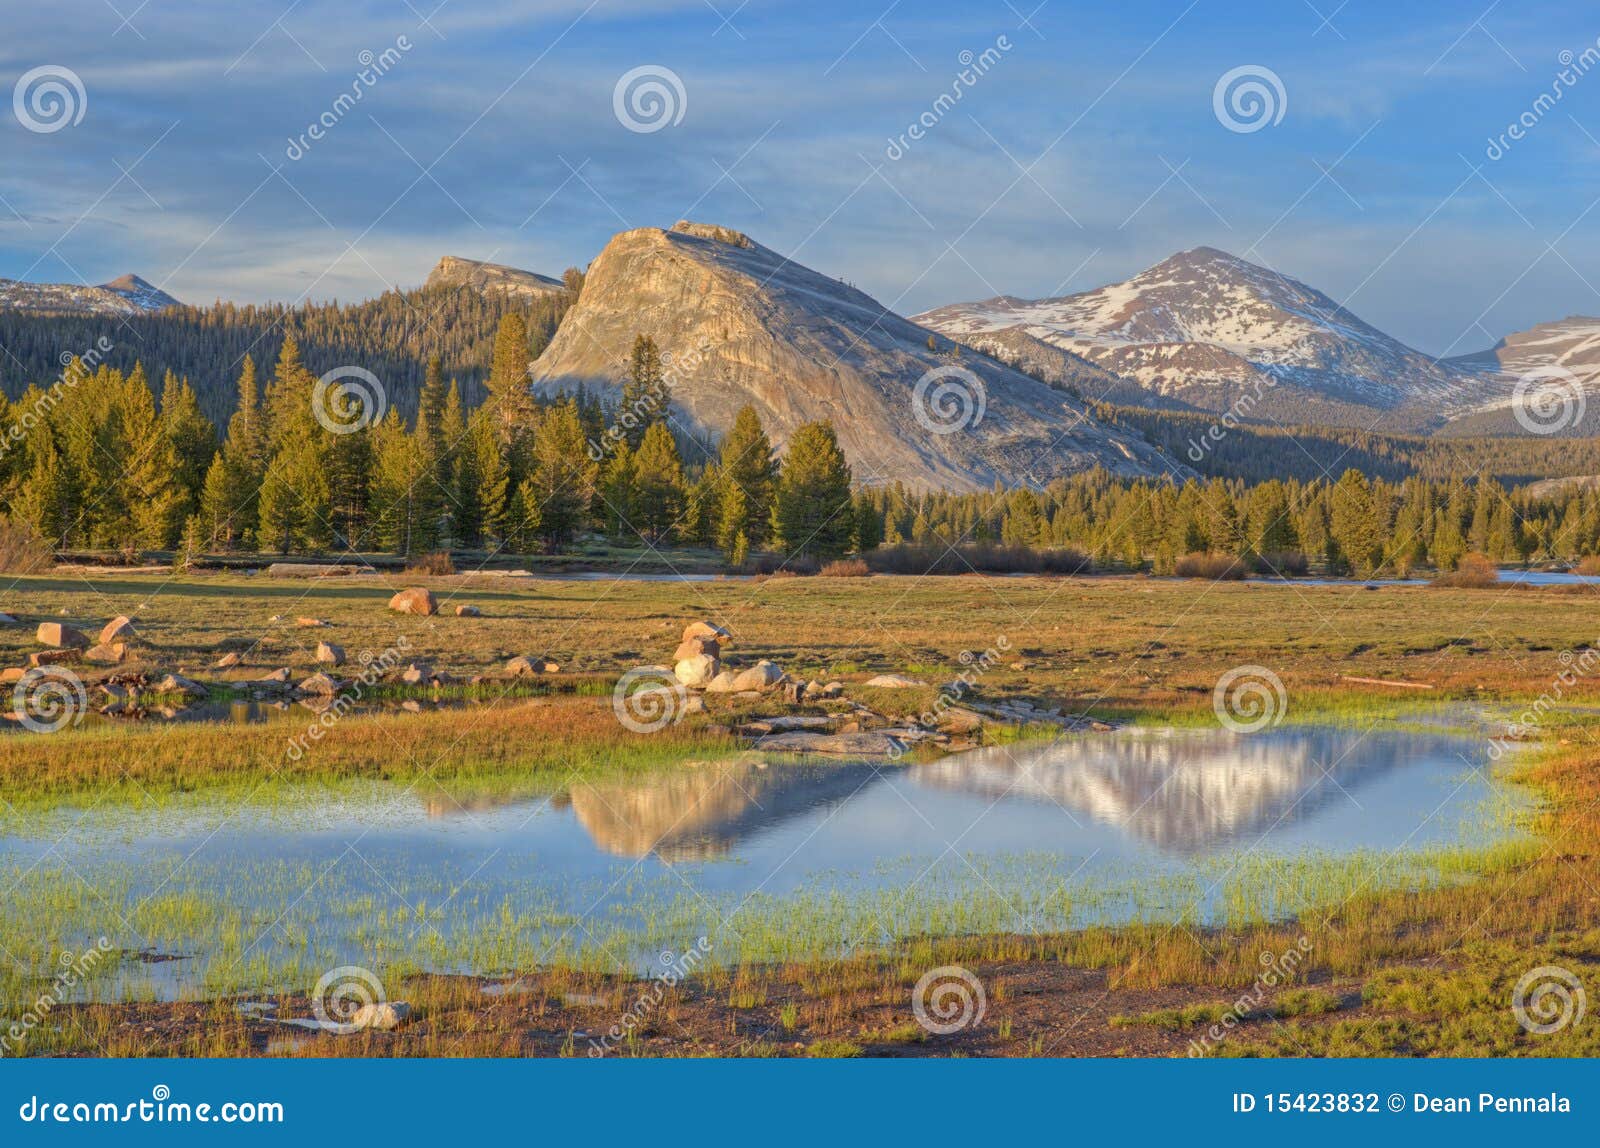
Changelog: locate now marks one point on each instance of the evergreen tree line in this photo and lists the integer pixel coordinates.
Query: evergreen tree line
(1256, 453)
(394, 336)
(97, 462)
(1353, 525)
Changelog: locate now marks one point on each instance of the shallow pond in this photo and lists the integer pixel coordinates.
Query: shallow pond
(766, 860)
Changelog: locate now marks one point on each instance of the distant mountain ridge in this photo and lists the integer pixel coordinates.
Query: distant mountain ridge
(1204, 327)
(740, 324)
(455, 271)
(125, 295)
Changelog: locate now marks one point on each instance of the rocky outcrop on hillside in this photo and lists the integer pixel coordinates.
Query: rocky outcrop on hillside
(454, 271)
(739, 324)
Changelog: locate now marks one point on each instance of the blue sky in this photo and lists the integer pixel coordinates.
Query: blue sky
(1088, 149)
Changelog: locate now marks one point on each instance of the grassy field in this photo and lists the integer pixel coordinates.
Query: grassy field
(1424, 970)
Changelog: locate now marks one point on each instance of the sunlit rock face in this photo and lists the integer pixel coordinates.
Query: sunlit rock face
(740, 324)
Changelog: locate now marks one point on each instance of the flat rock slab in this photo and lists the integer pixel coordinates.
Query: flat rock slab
(866, 744)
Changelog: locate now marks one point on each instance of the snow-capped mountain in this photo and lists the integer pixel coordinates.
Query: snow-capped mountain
(1563, 357)
(127, 295)
(1204, 327)
(741, 324)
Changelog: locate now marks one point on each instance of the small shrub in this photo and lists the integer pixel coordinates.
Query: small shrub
(976, 558)
(1589, 566)
(776, 564)
(1216, 567)
(1286, 563)
(1474, 572)
(845, 568)
(22, 550)
(438, 563)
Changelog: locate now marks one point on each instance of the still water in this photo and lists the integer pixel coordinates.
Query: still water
(1142, 824)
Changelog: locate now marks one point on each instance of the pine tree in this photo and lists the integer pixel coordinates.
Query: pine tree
(563, 479)
(619, 493)
(190, 435)
(484, 479)
(510, 397)
(746, 461)
(645, 395)
(812, 509)
(659, 476)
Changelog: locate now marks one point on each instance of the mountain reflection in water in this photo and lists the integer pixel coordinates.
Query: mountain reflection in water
(1180, 792)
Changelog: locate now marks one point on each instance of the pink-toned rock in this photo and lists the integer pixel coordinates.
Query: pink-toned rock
(694, 647)
(118, 629)
(52, 658)
(697, 672)
(417, 600)
(61, 635)
(468, 612)
(709, 631)
(329, 654)
(107, 653)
